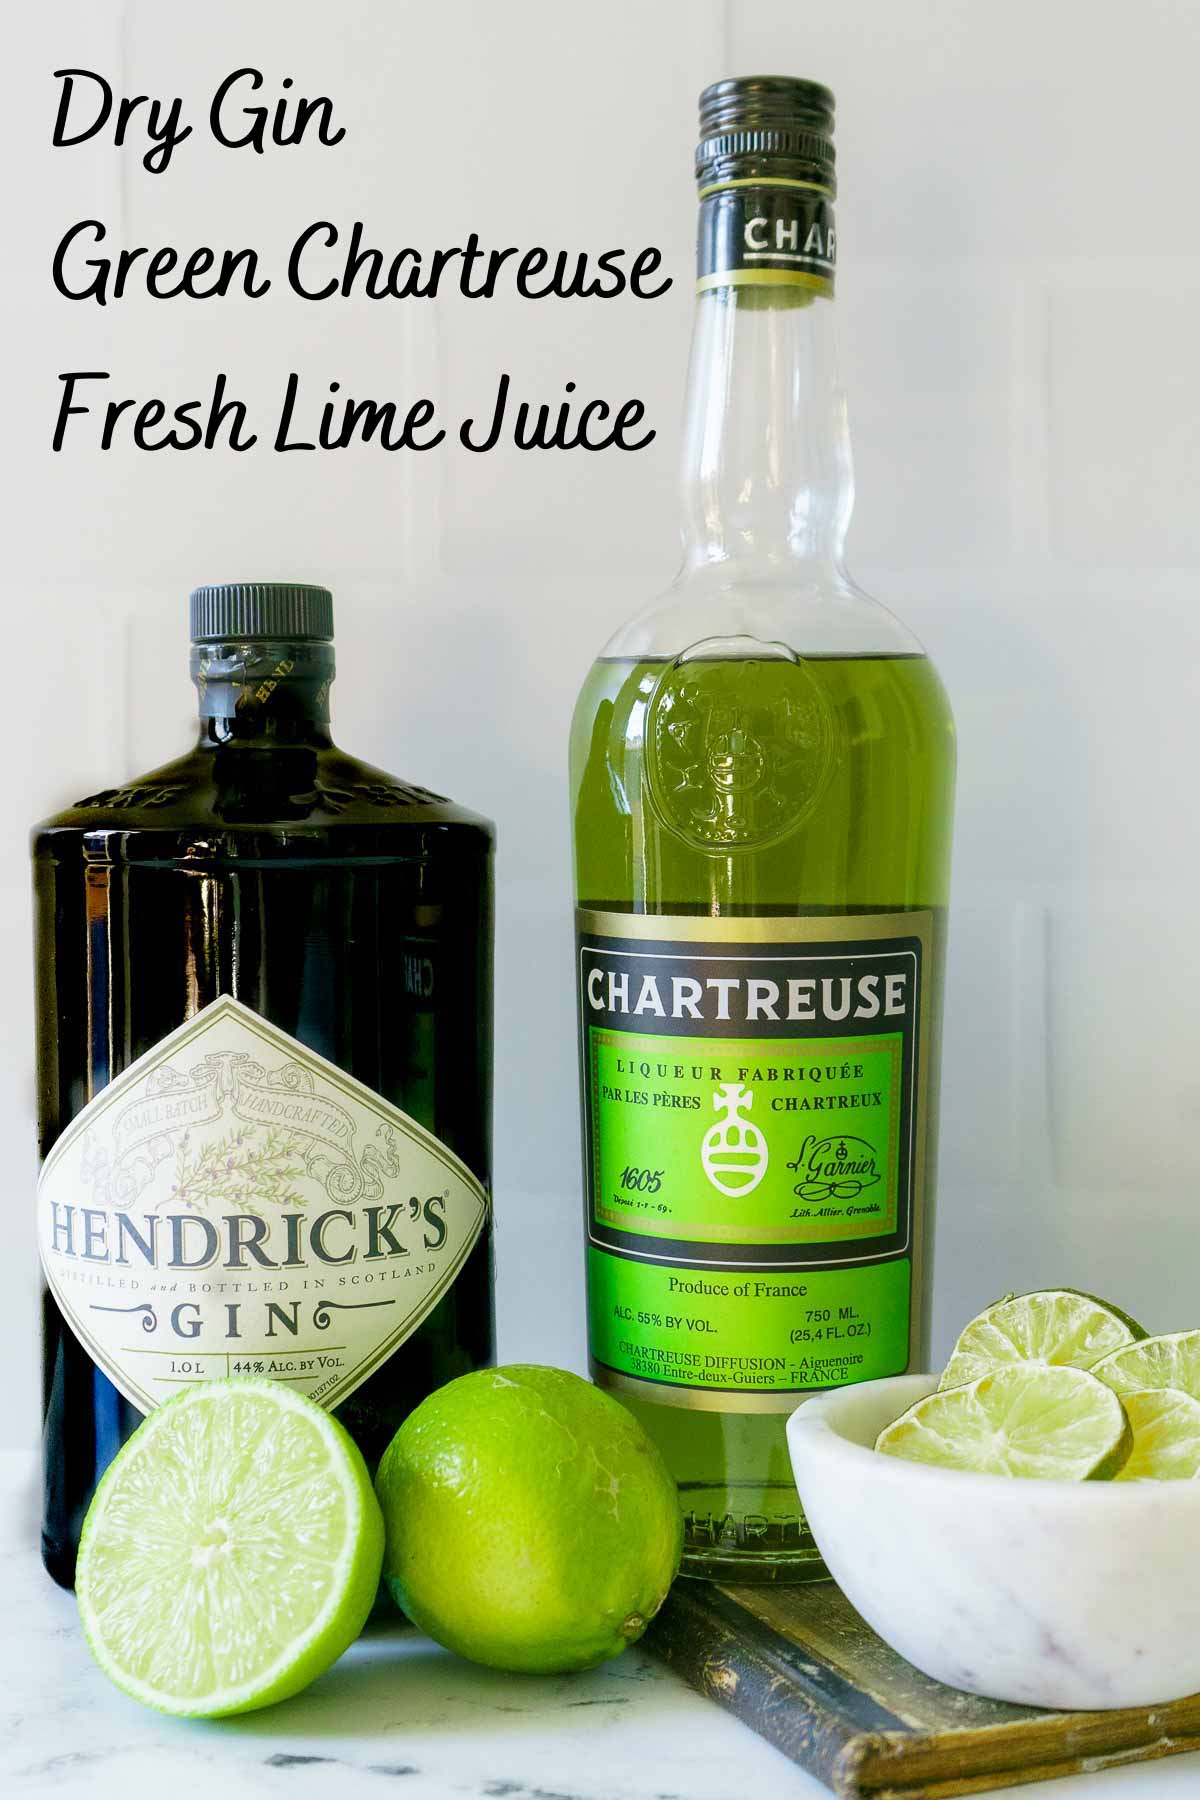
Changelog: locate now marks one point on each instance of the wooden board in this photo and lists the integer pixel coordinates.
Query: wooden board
(802, 1668)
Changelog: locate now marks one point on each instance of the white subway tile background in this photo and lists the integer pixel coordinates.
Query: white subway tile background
(1020, 286)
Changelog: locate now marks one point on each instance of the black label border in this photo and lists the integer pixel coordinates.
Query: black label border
(672, 1252)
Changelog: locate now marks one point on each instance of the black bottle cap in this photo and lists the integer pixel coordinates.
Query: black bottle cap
(291, 611)
(771, 123)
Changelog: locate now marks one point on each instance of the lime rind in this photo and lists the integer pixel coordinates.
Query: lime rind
(1169, 1361)
(231, 1553)
(1058, 1327)
(1035, 1421)
(532, 1525)
(1166, 1436)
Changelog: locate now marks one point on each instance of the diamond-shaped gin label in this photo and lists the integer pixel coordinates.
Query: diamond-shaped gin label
(234, 1204)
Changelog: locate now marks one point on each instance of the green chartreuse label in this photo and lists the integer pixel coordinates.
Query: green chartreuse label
(752, 1106)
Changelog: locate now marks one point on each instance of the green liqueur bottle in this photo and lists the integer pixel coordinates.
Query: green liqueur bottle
(264, 1040)
(762, 770)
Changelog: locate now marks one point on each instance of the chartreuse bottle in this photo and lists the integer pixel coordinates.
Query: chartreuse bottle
(762, 780)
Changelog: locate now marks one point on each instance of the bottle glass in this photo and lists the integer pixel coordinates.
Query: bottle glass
(767, 744)
(351, 910)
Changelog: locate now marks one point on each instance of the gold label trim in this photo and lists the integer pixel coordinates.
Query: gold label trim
(797, 278)
(792, 928)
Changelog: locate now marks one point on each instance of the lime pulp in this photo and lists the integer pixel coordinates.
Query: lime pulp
(1166, 1436)
(232, 1551)
(1171, 1361)
(1030, 1420)
(1056, 1326)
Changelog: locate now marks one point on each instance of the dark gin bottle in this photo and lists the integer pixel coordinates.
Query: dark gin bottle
(264, 1067)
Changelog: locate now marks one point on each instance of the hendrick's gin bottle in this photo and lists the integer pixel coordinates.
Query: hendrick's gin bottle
(264, 1047)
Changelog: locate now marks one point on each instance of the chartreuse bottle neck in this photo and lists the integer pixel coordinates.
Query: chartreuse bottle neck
(767, 476)
(767, 472)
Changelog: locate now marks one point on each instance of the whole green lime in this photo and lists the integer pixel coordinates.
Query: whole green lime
(531, 1523)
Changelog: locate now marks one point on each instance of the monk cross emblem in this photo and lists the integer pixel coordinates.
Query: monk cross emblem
(734, 1152)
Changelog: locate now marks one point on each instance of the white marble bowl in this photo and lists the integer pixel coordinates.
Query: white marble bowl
(1052, 1593)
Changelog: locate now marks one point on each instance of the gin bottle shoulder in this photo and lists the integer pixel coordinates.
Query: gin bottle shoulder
(243, 799)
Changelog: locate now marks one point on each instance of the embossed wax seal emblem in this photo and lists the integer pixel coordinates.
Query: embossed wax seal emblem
(234, 1204)
(739, 744)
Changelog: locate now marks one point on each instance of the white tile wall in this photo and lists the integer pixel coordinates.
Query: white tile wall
(1132, 422)
(1020, 289)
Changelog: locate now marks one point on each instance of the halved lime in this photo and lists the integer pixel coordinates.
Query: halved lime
(1166, 1436)
(1028, 1419)
(1171, 1361)
(232, 1551)
(1056, 1326)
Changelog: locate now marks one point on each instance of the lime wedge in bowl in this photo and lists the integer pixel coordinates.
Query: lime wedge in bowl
(1026, 1419)
(1166, 1436)
(232, 1551)
(1171, 1361)
(1056, 1326)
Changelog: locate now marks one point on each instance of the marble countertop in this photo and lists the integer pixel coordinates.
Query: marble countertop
(397, 1716)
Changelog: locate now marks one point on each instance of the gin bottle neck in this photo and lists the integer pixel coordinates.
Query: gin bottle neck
(264, 694)
(767, 472)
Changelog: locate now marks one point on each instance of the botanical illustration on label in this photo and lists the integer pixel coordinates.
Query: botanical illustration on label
(235, 1204)
(753, 1149)
(767, 232)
